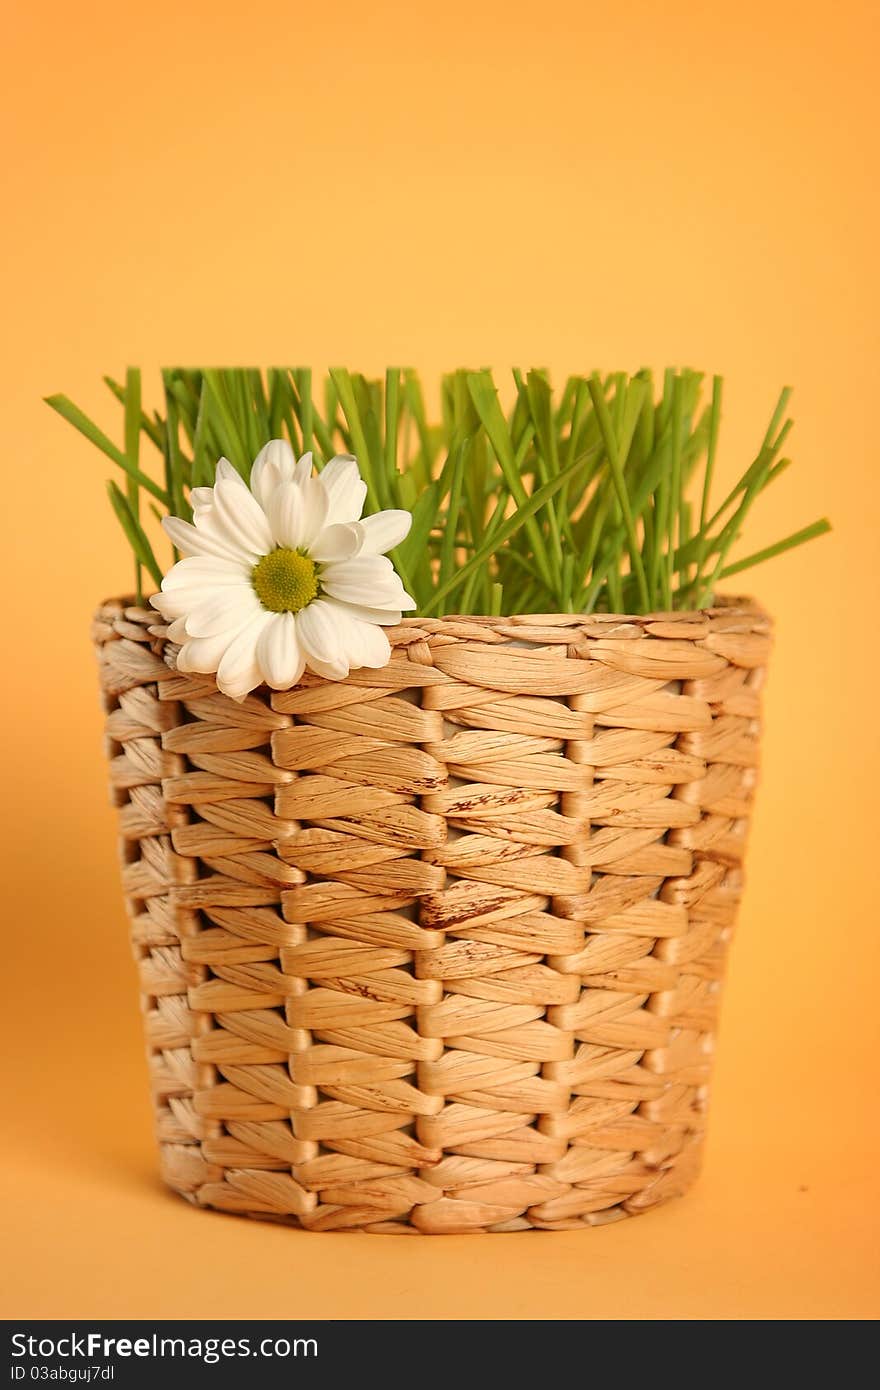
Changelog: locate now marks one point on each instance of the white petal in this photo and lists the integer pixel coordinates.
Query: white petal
(227, 471)
(194, 541)
(385, 530)
(177, 630)
(303, 470)
(339, 542)
(375, 649)
(364, 644)
(315, 509)
(276, 454)
(327, 670)
(223, 525)
(278, 652)
(223, 612)
(341, 466)
(239, 672)
(369, 569)
(274, 464)
(386, 617)
(297, 512)
(180, 600)
(241, 514)
(367, 580)
(385, 600)
(318, 632)
(201, 498)
(203, 654)
(335, 641)
(346, 492)
(205, 569)
(171, 606)
(181, 587)
(286, 515)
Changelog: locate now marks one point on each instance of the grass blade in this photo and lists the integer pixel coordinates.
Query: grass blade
(595, 498)
(601, 408)
(485, 399)
(807, 533)
(81, 422)
(135, 533)
(521, 517)
(132, 430)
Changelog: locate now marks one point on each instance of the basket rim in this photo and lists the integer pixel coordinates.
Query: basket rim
(726, 605)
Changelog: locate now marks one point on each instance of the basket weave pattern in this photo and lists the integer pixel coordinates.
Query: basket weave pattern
(438, 947)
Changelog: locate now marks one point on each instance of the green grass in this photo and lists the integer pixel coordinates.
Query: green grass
(595, 498)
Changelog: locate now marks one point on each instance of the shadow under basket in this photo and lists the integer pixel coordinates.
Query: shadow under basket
(438, 947)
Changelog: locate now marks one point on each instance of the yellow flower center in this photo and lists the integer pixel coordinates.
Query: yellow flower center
(285, 581)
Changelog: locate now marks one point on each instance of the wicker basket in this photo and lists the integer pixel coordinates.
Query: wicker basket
(439, 947)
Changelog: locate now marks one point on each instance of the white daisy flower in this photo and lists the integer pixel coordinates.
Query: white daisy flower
(282, 575)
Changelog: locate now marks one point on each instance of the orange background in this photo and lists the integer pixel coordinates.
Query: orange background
(564, 184)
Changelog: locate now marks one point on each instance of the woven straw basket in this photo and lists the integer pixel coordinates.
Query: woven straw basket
(439, 947)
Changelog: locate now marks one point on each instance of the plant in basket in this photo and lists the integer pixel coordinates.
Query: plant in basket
(434, 754)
